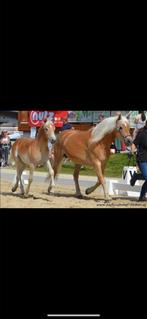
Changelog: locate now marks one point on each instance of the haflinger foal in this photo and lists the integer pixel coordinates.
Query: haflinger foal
(91, 147)
(29, 152)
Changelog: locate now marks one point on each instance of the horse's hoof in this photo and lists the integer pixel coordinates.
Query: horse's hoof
(108, 199)
(51, 192)
(13, 189)
(87, 191)
(25, 195)
(79, 196)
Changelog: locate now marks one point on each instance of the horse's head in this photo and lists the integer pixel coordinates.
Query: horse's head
(123, 129)
(49, 130)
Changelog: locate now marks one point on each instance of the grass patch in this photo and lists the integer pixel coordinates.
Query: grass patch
(114, 167)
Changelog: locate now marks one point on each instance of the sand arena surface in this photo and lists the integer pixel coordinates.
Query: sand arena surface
(64, 197)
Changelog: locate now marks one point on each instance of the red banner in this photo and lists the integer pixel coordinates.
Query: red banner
(36, 118)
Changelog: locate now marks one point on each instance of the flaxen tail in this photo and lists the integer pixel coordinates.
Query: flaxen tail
(11, 159)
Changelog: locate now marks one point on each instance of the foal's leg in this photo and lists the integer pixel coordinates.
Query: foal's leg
(19, 167)
(21, 183)
(15, 186)
(76, 176)
(31, 167)
(51, 176)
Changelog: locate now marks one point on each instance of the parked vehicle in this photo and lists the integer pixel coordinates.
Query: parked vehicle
(14, 136)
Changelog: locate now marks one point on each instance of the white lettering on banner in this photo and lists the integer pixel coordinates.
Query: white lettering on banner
(45, 114)
(41, 116)
(34, 116)
(51, 116)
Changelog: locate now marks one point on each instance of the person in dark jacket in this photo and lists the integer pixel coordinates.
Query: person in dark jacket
(66, 125)
(5, 147)
(140, 144)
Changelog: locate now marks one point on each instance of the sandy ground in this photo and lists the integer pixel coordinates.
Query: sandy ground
(64, 197)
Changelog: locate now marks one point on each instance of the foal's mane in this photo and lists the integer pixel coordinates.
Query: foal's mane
(105, 127)
(47, 123)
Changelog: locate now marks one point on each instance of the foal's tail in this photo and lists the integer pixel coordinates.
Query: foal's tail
(11, 159)
(14, 153)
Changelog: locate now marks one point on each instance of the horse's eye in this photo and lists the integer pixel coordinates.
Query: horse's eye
(46, 129)
(121, 128)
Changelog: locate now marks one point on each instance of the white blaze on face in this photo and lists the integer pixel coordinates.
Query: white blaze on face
(50, 126)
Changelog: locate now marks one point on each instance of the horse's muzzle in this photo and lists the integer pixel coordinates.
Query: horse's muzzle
(129, 141)
(53, 140)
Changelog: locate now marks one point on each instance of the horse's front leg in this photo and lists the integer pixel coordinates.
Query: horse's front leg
(51, 177)
(92, 188)
(76, 180)
(101, 179)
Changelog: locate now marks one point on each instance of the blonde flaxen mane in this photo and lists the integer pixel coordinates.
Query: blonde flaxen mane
(105, 127)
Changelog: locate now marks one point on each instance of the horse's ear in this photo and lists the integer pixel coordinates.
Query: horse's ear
(119, 117)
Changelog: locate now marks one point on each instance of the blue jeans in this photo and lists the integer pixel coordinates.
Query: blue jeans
(143, 169)
(5, 154)
(118, 144)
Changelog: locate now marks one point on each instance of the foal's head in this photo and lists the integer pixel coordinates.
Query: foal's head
(123, 129)
(49, 131)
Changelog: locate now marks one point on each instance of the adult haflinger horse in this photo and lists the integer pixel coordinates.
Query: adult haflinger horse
(29, 152)
(91, 147)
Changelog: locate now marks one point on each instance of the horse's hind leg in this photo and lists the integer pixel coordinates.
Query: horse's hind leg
(19, 167)
(76, 177)
(31, 167)
(15, 186)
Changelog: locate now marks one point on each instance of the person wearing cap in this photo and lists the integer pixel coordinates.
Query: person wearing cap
(5, 147)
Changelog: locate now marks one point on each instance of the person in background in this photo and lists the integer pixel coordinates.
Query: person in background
(37, 130)
(139, 121)
(101, 117)
(112, 148)
(5, 147)
(140, 144)
(1, 158)
(66, 125)
(123, 146)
